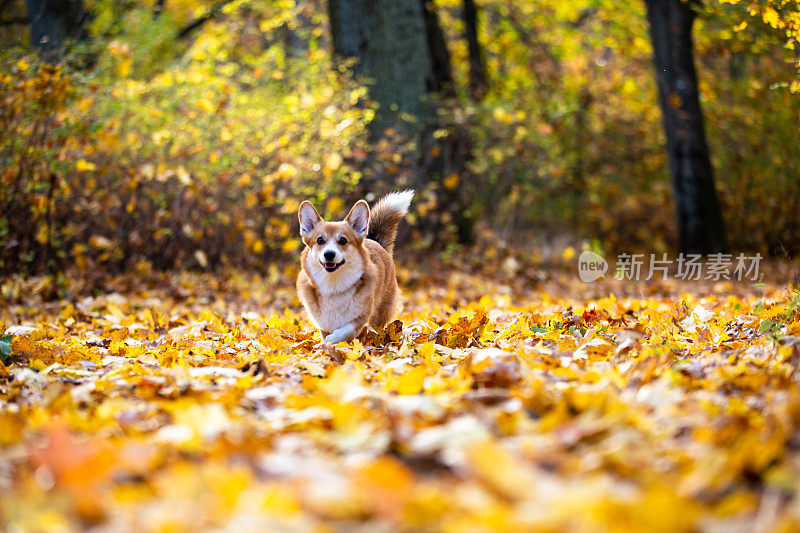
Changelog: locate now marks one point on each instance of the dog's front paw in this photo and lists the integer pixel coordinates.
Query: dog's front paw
(341, 334)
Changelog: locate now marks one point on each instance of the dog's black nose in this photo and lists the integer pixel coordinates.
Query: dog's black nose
(329, 255)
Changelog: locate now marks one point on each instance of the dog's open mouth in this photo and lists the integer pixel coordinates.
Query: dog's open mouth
(331, 266)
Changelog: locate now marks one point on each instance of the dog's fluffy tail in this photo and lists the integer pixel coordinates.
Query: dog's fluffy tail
(385, 217)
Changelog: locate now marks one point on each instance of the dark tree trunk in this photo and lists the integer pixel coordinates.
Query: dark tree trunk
(54, 22)
(699, 218)
(388, 39)
(477, 66)
(440, 79)
(400, 47)
(158, 8)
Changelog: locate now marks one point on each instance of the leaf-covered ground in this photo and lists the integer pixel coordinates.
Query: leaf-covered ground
(200, 403)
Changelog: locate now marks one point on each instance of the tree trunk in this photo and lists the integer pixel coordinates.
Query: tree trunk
(477, 66)
(440, 79)
(699, 218)
(388, 39)
(158, 8)
(400, 47)
(53, 22)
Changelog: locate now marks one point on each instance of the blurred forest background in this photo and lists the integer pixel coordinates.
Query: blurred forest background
(157, 134)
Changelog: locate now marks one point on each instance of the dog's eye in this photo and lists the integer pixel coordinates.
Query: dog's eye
(320, 240)
(342, 241)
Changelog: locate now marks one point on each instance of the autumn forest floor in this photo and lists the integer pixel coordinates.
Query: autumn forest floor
(530, 402)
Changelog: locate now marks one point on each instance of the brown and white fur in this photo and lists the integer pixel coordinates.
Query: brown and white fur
(348, 279)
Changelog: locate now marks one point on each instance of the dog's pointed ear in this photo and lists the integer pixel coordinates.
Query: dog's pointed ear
(309, 218)
(358, 218)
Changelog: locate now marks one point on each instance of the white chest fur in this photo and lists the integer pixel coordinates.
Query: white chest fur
(336, 310)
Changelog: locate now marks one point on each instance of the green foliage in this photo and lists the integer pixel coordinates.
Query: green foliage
(569, 138)
(781, 15)
(202, 163)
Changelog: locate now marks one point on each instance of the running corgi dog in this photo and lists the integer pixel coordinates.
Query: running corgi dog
(348, 279)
